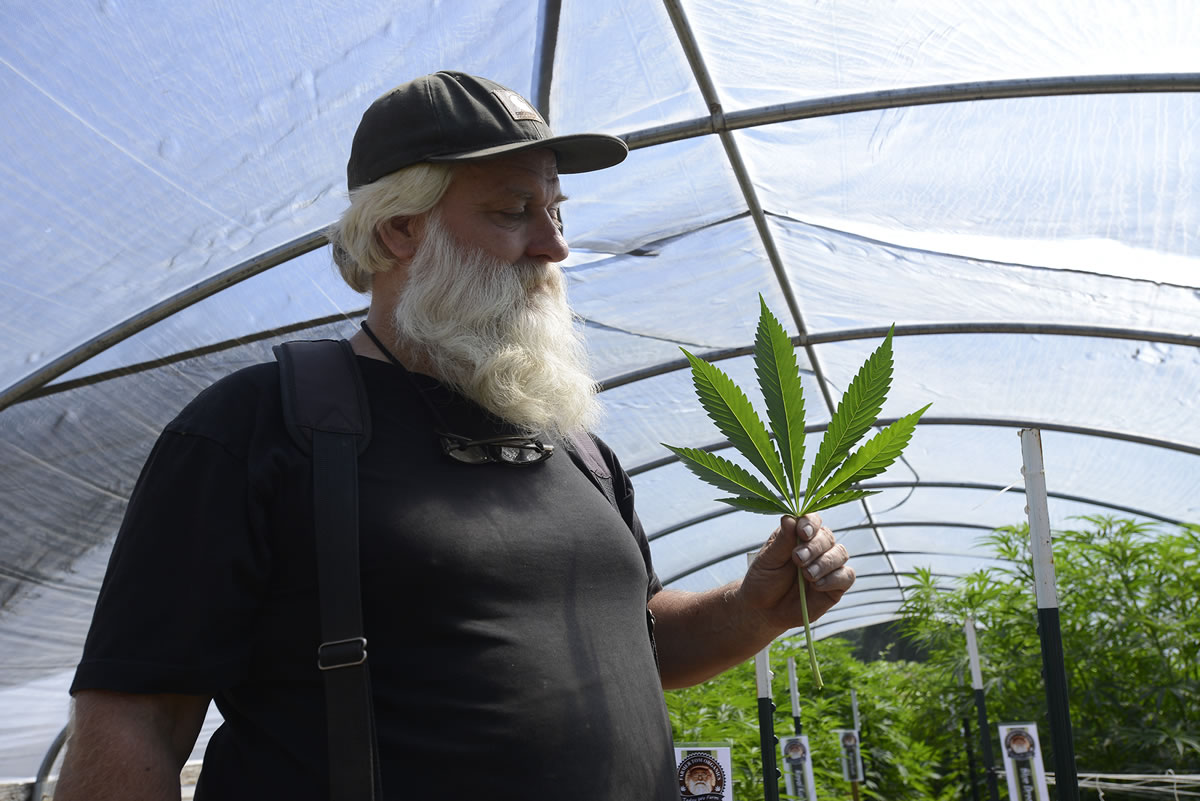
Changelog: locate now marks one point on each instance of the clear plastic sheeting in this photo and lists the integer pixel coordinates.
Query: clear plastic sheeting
(149, 147)
(1037, 252)
(306, 289)
(1098, 178)
(820, 49)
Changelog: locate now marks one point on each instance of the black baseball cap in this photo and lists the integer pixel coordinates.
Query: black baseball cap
(452, 116)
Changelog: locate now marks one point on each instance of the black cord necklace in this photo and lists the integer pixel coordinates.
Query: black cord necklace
(383, 349)
(412, 381)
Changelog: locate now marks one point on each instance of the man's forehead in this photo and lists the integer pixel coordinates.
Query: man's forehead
(540, 162)
(522, 174)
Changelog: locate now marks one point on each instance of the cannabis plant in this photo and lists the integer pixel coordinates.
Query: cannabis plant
(831, 481)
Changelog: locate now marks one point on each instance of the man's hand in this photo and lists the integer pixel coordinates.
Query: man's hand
(700, 634)
(772, 584)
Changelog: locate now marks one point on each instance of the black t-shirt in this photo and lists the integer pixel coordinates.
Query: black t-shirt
(504, 606)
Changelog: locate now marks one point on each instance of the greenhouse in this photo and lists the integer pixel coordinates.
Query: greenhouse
(1013, 186)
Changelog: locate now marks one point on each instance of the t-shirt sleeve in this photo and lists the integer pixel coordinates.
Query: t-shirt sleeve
(623, 488)
(176, 610)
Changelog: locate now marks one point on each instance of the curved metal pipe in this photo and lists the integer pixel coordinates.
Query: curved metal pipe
(1000, 422)
(43, 774)
(179, 356)
(1062, 496)
(886, 554)
(549, 13)
(704, 518)
(933, 94)
(159, 311)
(919, 329)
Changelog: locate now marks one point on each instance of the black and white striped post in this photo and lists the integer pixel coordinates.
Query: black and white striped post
(858, 729)
(1053, 668)
(970, 759)
(985, 730)
(794, 687)
(766, 720)
(766, 725)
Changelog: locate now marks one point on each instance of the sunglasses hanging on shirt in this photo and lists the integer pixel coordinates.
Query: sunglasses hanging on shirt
(508, 449)
(505, 449)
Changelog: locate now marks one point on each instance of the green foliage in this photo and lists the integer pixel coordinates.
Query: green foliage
(898, 764)
(1130, 614)
(834, 469)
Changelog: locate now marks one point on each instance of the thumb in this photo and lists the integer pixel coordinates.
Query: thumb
(792, 532)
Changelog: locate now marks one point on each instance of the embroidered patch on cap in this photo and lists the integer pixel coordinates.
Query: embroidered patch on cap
(517, 106)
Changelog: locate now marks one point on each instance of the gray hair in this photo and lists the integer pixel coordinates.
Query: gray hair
(357, 249)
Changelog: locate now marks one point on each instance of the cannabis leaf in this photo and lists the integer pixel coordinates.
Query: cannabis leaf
(779, 379)
(835, 469)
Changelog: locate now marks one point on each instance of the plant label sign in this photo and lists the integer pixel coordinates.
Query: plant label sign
(797, 767)
(1023, 762)
(705, 773)
(852, 766)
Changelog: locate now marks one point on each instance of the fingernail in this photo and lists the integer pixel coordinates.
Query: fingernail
(808, 530)
(814, 570)
(804, 554)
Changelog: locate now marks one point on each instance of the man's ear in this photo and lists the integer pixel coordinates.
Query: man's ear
(400, 236)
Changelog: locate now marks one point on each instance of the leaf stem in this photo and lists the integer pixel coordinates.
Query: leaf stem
(812, 655)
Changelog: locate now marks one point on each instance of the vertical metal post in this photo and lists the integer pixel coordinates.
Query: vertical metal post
(985, 736)
(970, 759)
(795, 692)
(857, 728)
(1049, 628)
(766, 720)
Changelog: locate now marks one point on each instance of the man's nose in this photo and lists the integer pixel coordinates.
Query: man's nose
(546, 241)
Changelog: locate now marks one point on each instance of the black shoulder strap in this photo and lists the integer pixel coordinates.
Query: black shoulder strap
(325, 410)
(586, 455)
(322, 391)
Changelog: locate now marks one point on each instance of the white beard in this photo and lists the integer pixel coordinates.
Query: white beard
(500, 334)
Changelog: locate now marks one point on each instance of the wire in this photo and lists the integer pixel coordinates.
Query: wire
(1154, 785)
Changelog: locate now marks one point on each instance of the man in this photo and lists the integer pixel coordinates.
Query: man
(700, 780)
(505, 604)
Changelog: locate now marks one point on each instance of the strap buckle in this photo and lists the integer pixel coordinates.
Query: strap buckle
(342, 653)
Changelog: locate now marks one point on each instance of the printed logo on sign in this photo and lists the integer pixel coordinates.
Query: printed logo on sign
(701, 778)
(518, 107)
(795, 751)
(1019, 744)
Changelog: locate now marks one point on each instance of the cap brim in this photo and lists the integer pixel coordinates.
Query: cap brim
(575, 152)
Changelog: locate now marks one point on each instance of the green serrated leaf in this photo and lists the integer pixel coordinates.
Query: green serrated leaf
(783, 392)
(779, 380)
(757, 505)
(729, 408)
(855, 414)
(839, 498)
(874, 457)
(723, 474)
